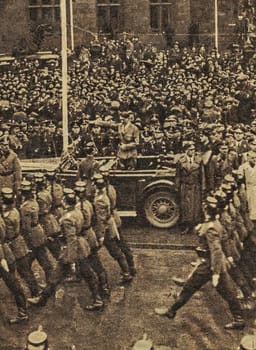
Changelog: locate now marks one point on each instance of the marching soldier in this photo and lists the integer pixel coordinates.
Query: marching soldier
(10, 279)
(31, 229)
(47, 220)
(76, 250)
(106, 227)
(56, 190)
(213, 267)
(15, 240)
(122, 244)
(88, 213)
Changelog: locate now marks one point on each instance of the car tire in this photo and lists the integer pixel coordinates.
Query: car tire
(161, 209)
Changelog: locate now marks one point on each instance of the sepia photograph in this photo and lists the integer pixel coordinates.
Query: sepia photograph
(127, 175)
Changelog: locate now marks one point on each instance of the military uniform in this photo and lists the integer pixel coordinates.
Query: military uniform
(19, 249)
(49, 222)
(122, 244)
(10, 171)
(129, 140)
(34, 234)
(88, 232)
(76, 249)
(213, 262)
(11, 281)
(106, 227)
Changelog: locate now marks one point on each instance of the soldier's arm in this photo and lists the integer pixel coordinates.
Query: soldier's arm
(217, 255)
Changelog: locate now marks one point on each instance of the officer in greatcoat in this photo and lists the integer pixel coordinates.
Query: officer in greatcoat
(190, 185)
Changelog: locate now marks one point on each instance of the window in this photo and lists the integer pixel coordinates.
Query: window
(108, 16)
(44, 11)
(161, 12)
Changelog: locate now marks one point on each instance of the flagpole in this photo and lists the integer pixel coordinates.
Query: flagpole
(71, 25)
(216, 25)
(64, 74)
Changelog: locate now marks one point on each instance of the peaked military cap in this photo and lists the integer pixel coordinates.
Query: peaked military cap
(26, 186)
(7, 192)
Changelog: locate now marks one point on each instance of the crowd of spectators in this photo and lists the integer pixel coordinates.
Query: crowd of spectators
(172, 95)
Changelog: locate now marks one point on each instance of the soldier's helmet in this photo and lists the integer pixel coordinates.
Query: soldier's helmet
(7, 195)
(37, 340)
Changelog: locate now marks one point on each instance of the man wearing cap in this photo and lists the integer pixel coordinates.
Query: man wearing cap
(213, 267)
(86, 170)
(121, 242)
(75, 250)
(88, 232)
(15, 240)
(10, 167)
(55, 188)
(129, 136)
(31, 229)
(46, 218)
(10, 279)
(106, 228)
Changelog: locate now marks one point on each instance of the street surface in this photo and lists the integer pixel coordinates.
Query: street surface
(130, 313)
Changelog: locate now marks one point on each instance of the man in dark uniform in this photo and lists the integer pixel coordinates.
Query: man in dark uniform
(213, 267)
(15, 240)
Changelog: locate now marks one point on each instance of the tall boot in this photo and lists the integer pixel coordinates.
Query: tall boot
(98, 303)
(126, 276)
(21, 317)
(104, 286)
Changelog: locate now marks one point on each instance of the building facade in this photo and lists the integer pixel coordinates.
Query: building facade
(161, 22)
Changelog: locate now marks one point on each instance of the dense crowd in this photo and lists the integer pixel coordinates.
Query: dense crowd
(171, 96)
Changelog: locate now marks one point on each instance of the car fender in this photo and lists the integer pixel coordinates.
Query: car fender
(159, 184)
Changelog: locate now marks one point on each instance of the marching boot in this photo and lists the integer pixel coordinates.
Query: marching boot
(20, 318)
(238, 323)
(97, 305)
(125, 278)
(164, 311)
(104, 286)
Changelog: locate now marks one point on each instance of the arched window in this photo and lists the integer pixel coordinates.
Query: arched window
(161, 14)
(44, 11)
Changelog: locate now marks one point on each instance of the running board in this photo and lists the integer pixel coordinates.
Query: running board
(127, 213)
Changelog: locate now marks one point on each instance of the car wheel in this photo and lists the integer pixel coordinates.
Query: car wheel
(161, 209)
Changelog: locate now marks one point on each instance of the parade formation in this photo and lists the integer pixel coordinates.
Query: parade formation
(178, 123)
